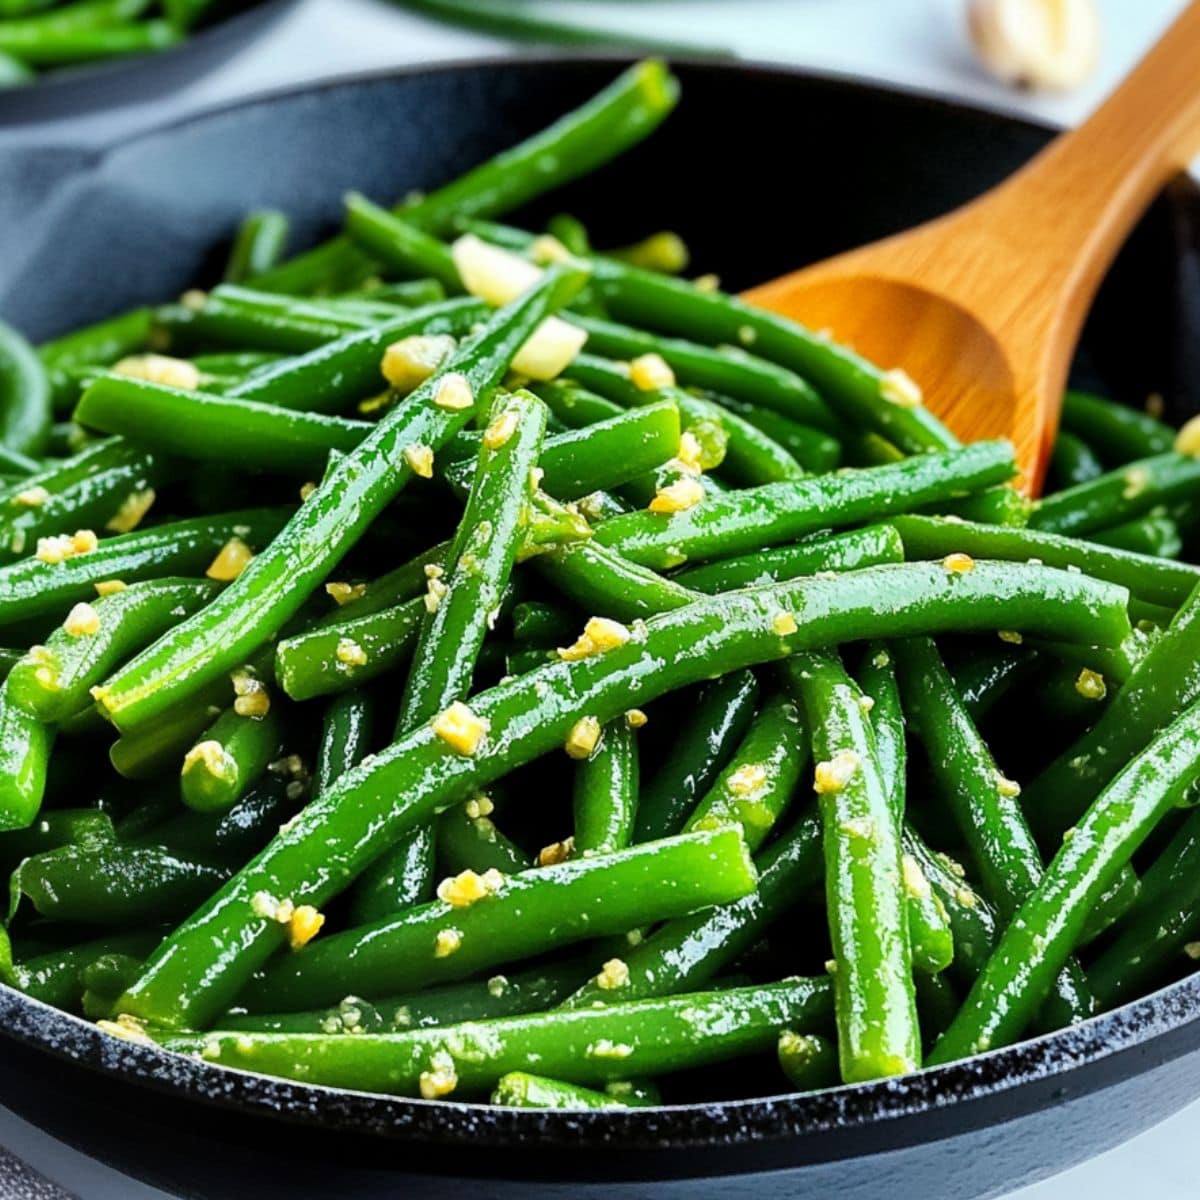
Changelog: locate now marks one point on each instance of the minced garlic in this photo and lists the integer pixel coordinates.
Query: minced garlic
(110, 587)
(651, 371)
(635, 718)
(345, 593)
(958, 564)
(460, 728)
(465, 888)
(304, 925)
(614, 974)
(160, 369)
(212, 757)
(746, 779)
(133, 508)
(783, 624)
(409, 362)
(500, 429)
(232, 559)
(899, 388)
(251, 696)
(441, 1079)
(349, 653)
(678, 496)
(1090, 685)
(59, 548)
(556, 852)
(33, 497)
(583, 738)
(82, 621)
(446, 942)
(420, 459)
(834, 774)
(599, 634)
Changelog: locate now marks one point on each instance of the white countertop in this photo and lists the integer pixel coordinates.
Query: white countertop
(918, 43)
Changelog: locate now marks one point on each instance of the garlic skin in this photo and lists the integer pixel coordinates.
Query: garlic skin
(1045, 44)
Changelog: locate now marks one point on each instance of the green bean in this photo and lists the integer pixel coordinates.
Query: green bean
(618, 117)
(398, 244)
(573, 405)
(58, 827)
(54, 681)
(25, 413)
(34, 589)
(809, 1061)
(346, 369)
(987, 676)
(814, 449)
(519, 1089)
(160, 745)
(1156, 534)
(748, 520)
(25, 745)
(478, 563)
(58, 47)
(717, 722)
(1115, 901)
(259, 244)
(208, 321)
(56, 977)
(347, 653)
(1001, 505)
(347, 730)
(1165, 682)
(603, 455)
(515, 917)
(690, 951)
(981, 800)
(233, 362)
(570, 231)
(759, 781)
(599, 578)
(728, 370)
(929, 931)
(535, 989)
(1118, 496)
(275, 583)
(1118, 433)
(868, 925)
(208, 958)
(473, 843)
(649, 1037)
(1148, 578)
(233, 752)
(844, 552)
(1047, 925)
(1072, 461)
(1159, 927)
(605, 797)
(96, 487)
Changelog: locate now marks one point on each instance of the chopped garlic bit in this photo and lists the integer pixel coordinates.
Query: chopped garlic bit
(479, 806)
(82, 621)
(232, 559)
(460, 728)
(783, 624)
(264, 905)
(691, 454)
(583, 738)
(614, 974)
(1011, 636)
(492, 274)
(306, 490)
(160, 369)
(349, 653)
(635, 718)
(1137, 480)
(866, 703)
(863, 828)
(958, 564)
(500, 429)
(59, 548)
(133, 508)
(110, 587)
(678, 496)
(304, 925)
(746, 779)
(915, 883)
(599, 634)
(707, 283)
(468, 886)
(128, 1028)
(1187, 440)
(33, 497)
(549, 350)
(833, 774)
(1005, 786)
(446, 942)
(212, 757)
(1192, 950)
(651, 371)
(345, 593)
(882, 659)
(420, 459)
(251, 696)
(606, 1048)
(441, 1078)
(406, 365)
(556, 852)
(435, 593)
(497, 985)
(1090, 685)
(898, 387)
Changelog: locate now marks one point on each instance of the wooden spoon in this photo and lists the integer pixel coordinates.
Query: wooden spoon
(983, 307)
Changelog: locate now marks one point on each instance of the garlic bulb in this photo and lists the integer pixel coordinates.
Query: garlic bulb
(1052, 44)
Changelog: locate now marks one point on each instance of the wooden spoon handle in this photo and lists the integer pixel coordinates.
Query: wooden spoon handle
(1073, 205)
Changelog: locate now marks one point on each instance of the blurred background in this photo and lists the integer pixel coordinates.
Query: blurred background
(1049, 59)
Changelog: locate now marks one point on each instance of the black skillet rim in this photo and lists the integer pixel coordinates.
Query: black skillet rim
(999, 1085)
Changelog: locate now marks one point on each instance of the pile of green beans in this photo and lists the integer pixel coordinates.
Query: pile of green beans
(516, 593)
(40, 35)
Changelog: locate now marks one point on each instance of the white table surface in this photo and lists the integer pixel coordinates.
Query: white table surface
(918, 43)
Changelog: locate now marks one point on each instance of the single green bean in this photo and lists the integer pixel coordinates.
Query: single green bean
(398, 244)
(259, 244)
(25, 745)
(519, 1089)
(1118, 433)
(25, 412)
(231, 755)
(605, 797)
(1156, 534)
(1072, 461)
(809, 1061)
(748, 520)
(473, 843)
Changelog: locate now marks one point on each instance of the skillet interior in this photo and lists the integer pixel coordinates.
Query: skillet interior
(761, 170)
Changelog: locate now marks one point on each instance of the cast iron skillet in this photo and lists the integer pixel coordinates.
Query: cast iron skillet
(140, 77)
(762, 170)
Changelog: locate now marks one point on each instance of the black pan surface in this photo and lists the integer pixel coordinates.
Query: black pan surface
(761, 170)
